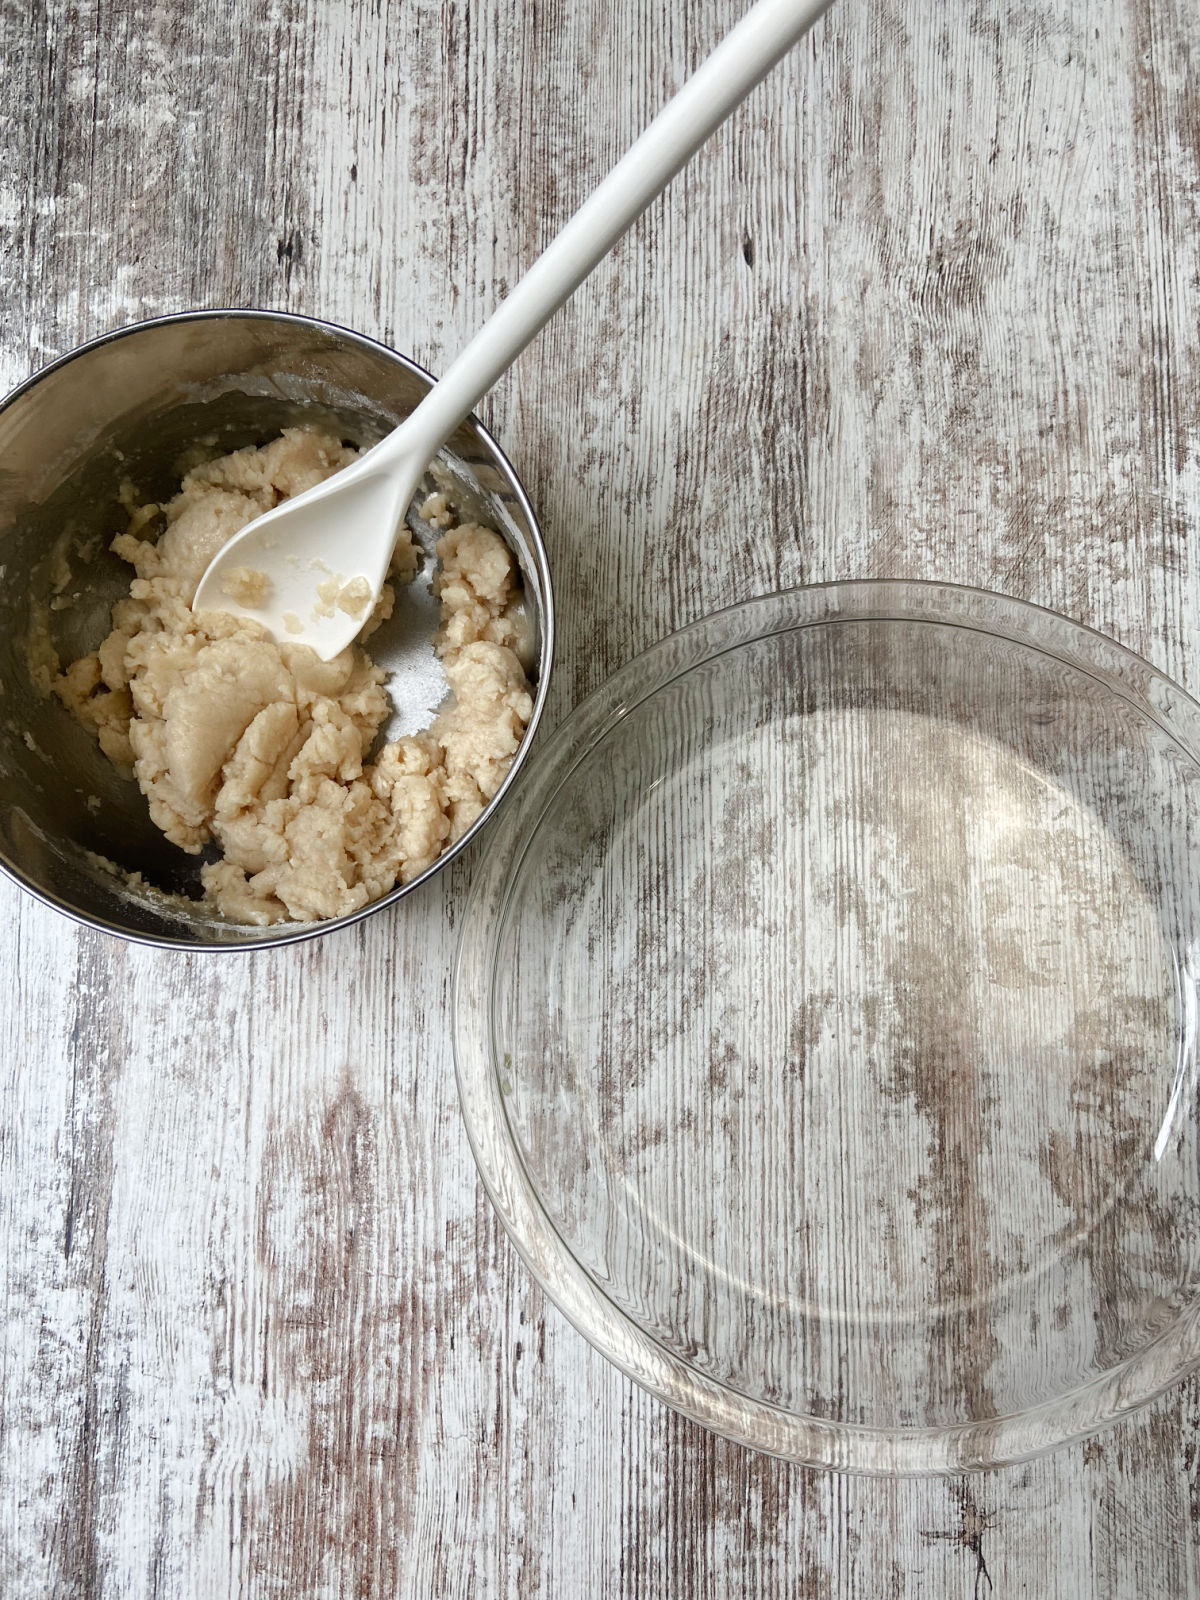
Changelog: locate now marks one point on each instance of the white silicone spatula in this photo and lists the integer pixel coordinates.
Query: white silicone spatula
(346, 528)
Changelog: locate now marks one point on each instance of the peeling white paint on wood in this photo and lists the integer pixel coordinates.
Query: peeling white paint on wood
(927, 307)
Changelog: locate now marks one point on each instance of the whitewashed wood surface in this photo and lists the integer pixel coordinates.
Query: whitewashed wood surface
(928, 306)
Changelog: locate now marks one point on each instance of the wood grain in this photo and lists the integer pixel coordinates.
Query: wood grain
(927, 306)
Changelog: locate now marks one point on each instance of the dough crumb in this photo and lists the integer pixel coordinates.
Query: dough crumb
(328, 592)
(435, 509)
(247, 586)
(261, 747)
(355, 597)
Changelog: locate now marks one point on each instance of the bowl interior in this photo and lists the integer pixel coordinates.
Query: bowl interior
(131, 408)
(830, 1043)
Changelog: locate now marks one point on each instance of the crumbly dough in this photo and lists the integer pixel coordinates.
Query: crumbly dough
(247, 586)
(260, 745)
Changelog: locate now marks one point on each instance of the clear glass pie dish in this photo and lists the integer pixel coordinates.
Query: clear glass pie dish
(825, 1023)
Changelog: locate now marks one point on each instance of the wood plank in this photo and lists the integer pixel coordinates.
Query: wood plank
(926, 307)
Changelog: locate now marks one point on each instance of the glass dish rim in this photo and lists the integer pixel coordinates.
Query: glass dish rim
(760, 1424)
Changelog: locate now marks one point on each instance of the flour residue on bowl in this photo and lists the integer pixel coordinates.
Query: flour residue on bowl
(262, 747)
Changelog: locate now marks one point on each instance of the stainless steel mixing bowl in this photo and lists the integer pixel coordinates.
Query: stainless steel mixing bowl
(128, 406)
